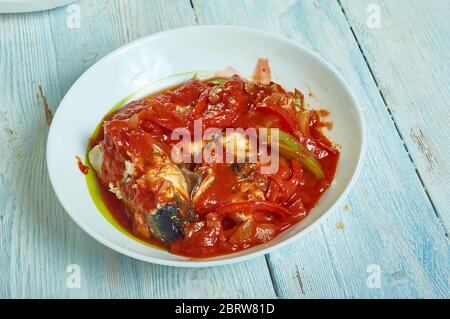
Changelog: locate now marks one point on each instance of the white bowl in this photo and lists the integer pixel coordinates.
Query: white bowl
(11, 6)
(206, 48)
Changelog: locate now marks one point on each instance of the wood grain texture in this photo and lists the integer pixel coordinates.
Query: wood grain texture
(389, 220)
(410, 58)
(38, 240)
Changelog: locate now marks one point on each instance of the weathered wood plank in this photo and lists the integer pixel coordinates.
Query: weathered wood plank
(37, 238)
(387, 219)
(107, 25)
(410, 58)
(28, 220)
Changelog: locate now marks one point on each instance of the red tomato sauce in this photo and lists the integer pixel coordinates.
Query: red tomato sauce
(230, 206)
(83, 168)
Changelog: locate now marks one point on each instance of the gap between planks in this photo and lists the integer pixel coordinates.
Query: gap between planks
(272, 277)
(195, 12)
(266, 256)
(441, 223)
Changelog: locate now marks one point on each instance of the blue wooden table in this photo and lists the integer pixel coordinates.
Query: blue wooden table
(389, 238)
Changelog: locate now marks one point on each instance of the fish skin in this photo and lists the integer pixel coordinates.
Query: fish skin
(163, 223)
(166, 223)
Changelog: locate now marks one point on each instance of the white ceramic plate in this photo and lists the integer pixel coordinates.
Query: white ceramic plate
(10, 6)
(160, 56)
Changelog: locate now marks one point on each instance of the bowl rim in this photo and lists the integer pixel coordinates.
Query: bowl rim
(232, 259)
(12, 6)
